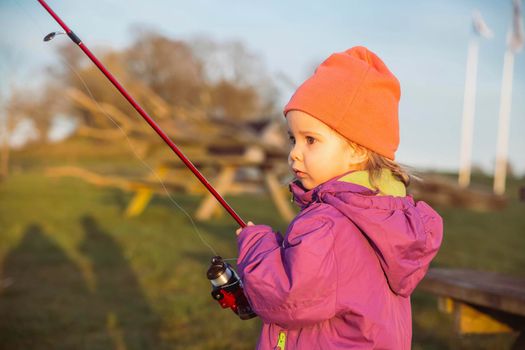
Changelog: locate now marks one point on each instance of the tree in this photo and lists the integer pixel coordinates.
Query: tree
(174, 80)
(239, 86)
(169, 67)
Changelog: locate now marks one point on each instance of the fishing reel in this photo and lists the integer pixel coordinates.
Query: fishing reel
(227, 288)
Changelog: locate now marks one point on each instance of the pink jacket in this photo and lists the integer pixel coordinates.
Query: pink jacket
(342, 276)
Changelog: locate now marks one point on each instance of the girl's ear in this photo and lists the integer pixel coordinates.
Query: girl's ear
(358, 154)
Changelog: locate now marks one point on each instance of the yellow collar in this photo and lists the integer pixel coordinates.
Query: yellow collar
(387, 184)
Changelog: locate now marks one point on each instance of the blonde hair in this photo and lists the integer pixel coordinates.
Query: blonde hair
(375, 163)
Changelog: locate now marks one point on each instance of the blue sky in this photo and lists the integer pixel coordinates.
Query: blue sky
(423, 42)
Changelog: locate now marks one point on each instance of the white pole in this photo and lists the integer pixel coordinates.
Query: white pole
(469, 107)
(500, 172)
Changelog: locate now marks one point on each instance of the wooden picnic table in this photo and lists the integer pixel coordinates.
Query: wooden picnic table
(482, 302)
(227, 159)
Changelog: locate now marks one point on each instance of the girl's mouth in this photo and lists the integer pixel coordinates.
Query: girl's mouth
(299, 174)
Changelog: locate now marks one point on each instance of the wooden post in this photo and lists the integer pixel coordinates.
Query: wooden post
(445, 305)
(500, 172)
(469, 107)
(469, 321)
(283, 206)
(209, 204)
(143, 195)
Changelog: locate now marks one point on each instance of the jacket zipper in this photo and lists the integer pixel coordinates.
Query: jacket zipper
(281, 342)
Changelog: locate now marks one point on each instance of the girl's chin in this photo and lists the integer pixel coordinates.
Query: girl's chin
(307, 185)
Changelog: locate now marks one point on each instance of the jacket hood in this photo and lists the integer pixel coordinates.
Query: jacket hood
(405, 235)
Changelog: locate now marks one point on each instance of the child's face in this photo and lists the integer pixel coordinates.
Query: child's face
(318, 153)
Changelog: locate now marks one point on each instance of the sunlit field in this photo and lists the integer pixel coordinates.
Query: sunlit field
(76, 274)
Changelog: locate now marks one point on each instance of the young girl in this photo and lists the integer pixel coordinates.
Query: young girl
(342, 276)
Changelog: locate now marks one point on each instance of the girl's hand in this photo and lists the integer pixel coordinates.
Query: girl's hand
(240, 228)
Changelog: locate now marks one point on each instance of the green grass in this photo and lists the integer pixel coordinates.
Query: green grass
(78, 275)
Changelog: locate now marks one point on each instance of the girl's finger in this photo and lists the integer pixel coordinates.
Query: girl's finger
(240, 228)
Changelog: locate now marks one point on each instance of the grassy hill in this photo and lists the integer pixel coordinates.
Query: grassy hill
(76, 274)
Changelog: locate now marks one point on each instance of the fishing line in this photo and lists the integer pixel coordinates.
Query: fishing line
(147, 118)
(130, 143)
(133, 149)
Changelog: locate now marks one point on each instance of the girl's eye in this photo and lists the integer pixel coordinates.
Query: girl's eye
(292, 140)
(310, 140)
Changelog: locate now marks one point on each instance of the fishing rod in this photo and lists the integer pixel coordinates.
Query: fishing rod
(140, 110)
(227, 287)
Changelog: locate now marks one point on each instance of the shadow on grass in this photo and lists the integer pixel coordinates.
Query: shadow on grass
(50, 305)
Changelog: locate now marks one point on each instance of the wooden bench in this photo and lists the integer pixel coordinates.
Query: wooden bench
(481, 302)
(438, 190)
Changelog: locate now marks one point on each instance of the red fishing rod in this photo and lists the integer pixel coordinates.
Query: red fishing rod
(141, 111)
(227, 287)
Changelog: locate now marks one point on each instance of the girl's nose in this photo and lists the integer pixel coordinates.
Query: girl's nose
(295, 154)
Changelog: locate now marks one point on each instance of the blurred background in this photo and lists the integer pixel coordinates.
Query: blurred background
(105, 237)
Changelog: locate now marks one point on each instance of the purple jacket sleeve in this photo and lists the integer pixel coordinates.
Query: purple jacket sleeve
(291, 283)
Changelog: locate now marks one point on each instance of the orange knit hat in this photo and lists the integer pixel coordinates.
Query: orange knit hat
(355, 94)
